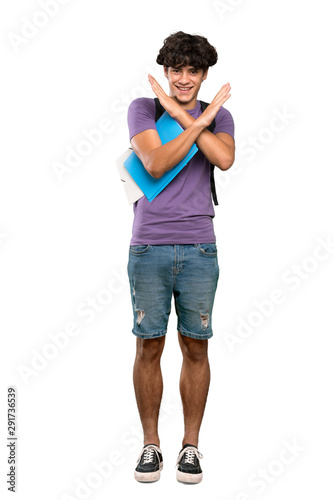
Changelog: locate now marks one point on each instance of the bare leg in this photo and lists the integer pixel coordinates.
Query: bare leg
(148, 385)
(194, 385)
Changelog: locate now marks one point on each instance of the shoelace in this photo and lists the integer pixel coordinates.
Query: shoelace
(148, 454)
(190, 452)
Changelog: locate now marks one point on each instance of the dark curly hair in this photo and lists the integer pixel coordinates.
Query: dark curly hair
(181, 49)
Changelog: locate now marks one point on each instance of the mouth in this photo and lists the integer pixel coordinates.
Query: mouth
(183, 90)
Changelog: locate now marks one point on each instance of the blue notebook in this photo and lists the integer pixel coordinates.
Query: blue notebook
(168, 129)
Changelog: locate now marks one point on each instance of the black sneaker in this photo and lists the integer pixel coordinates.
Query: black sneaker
(150, 463)
(188, 465)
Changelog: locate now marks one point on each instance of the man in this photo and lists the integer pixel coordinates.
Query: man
(173, 248)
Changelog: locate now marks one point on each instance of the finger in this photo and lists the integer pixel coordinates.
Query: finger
(223, 91)
(158, 91)
(154, 81)
(155, 85)
(222, 94)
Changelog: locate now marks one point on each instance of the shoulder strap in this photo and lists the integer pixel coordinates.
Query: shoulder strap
(211, 128)
(203, 107)
(159, 109)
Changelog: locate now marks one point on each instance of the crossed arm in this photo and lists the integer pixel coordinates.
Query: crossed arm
(219, 149)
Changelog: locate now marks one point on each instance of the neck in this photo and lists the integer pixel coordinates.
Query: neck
(186, 105)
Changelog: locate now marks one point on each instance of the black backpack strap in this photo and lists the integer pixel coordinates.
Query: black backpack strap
(159, 109)
(203, 107)
(212, 180)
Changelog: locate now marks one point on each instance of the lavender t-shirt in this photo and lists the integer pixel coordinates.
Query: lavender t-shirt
(182, 213)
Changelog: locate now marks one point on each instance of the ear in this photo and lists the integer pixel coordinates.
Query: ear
(204, 76)
(165, 72)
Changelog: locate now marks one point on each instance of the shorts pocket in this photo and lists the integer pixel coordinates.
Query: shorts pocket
(138, 249)
(209, 249)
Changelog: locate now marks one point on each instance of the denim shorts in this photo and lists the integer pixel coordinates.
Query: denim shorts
(189, 273)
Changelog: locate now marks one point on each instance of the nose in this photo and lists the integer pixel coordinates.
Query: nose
(184, 78)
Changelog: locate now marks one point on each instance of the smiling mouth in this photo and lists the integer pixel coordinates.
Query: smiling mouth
(183, 89)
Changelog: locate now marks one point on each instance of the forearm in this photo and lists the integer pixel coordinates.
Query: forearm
(216, 151)
(163, 158)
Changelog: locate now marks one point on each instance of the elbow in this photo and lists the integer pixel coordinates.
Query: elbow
(227, 158)
(153, 169)
(227, 163)
(156, 174)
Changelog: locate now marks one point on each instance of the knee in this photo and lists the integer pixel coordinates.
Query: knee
(193, 349)
(150, 350)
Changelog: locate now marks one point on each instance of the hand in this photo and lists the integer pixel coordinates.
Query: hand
(168, 103)
(211, 111)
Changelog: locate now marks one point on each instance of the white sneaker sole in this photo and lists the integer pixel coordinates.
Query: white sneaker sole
(185, 477)
(148, 477)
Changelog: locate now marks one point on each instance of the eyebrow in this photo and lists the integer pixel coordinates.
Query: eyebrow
(191, 68)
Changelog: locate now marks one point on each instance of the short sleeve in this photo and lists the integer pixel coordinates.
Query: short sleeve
(224, 122)
(141, 116)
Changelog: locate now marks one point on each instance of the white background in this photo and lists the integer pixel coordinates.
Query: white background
(64, 241)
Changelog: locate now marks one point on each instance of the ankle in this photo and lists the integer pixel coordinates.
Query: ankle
(151, 439)
(193, 440)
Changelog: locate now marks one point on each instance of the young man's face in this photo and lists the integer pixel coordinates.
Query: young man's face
(184, 84)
